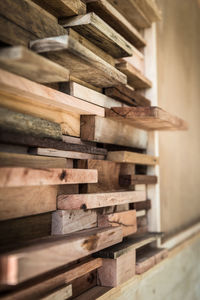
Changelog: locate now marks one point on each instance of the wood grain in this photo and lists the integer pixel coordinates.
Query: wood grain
(128, 180)
(132, 157)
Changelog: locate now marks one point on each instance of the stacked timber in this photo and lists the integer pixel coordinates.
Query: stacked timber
(74, 125)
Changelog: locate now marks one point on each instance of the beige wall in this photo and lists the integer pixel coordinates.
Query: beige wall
(179, 93)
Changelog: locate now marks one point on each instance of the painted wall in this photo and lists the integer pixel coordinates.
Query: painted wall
(178, 48)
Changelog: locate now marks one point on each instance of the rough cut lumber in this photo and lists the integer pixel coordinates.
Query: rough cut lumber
(128, 180)
(67, 154)
(116, 271)
(24, 62)
(41, 287)
(150, 9)
(131, 10)
(132, 157)
(126, 219)
(93, 293)
(42, 256)
(67, 221)
(63, 8)
(91, 201)
(61, 294)
(118, 92)
(26, 124)
(26, 201)
(134, 77)
(100, 33)
(81, 62)
(105, 130)
(14, 177)
(112, 17)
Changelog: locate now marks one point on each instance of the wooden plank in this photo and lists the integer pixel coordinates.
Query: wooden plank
(128, 180)
(67, 221)
(142, 205)
(61, 294)
(84, 283)
(150, 9)
(117, 271)
(26, 124)
(93, 293)
(68, 274)
(63, 8)
(23, 62)
(116, 20)
(40, 257)
(26, 201)
(132, 157)
(81, 62)
(149, 118)
(118, 92)
(96, 129)
(98, 32)
(126, 219)
(134, 77)
(14, 177)
(136, 60)
(91, 201)
(66, 154)
(132, 12)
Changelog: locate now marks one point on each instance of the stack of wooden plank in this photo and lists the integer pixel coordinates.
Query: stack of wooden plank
(73, 144)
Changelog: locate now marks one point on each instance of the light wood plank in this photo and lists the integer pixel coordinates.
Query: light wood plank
(81, 62)
(61, 294)
(96, 129)
(91, 201)
(149, 118)
(67, 221)
(116, 20)
(128, 180)
(23, 62)
(14, 177)
(132, 157)
(25, 263)
(98, 32)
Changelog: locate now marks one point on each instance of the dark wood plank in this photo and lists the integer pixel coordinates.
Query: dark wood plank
(128, 180)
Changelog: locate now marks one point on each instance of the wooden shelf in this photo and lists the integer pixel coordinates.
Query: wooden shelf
(148, 118)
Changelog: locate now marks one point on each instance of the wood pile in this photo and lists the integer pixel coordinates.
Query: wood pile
(73, 147)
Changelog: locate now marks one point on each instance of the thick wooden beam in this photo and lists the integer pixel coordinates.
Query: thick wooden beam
(98, 32)
(132, 157)
(96, 129)
(90, 201)
(116, 20)
(149, 118)
(81, 62)
(14, 177)
(128, 180)
(26, 63)
(41, 257)
(62, 294)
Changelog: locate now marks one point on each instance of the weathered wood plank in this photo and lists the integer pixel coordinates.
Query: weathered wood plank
(40, 257)
(81, 62)
(90, 201)
(116, 20)
(93, 293)
(24, 62)
(100, 33)
(96, 129)
(84, 283)
(67, 221)
(126, 219)
(128, 180)
(134, 77)
(149, 118)
(14, 177)
(150, 9)
(132, 157)
(26, 124)
(61, 294)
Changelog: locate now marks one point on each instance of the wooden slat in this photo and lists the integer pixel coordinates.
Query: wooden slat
(134, 77)
(116, 20)
(128, 180)
(93, 293)
(63, 8)
(142, 205)
(67, 221)
(150, 9)
(97, 31)
(105, 130)
(43, 255)
(61, 294)
(81, 62)
(14, 177)
(24, 62)
(149, 118)
(90, 201)
(132, 157)
(126, 219)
